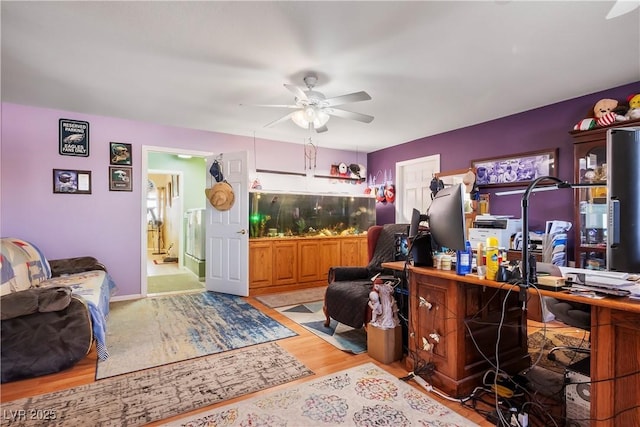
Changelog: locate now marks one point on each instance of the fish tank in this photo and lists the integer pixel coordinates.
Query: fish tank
(274, 214)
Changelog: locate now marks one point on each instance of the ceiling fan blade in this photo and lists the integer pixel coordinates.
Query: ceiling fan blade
(299, 93)
(322, 129)
(345, 99)
(280, 120)
(270, 105)
(349, 115)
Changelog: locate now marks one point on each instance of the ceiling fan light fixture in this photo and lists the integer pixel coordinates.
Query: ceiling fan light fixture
(310, 115)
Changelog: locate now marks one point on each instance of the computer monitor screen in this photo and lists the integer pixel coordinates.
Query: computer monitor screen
(446, 218)
(416, 219)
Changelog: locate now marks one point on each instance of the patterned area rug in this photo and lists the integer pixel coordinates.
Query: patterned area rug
(542, 343)
(159, 393)
(155, 331)
(361, 396)
(311, 317)
(283, 299)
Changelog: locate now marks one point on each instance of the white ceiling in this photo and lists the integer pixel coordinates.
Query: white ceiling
(430, 67)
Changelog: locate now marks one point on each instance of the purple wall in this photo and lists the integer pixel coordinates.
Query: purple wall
(105, 224)
(543, 128)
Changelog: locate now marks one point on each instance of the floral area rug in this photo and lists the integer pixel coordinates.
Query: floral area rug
(155, 331)
(312, 318)
(362, 396)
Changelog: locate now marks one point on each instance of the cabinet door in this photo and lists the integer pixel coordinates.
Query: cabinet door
(364, 251)
(260, 264)
(285, 263)
(591, 218)
(330, 256)
(350, 252)
(308, 260)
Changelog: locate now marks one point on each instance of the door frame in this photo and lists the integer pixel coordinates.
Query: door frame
(180, 205)
(400, 181)
(146, 150)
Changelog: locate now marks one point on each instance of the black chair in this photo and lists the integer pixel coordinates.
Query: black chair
(347, 296)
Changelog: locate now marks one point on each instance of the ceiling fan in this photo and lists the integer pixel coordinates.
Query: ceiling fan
(313, 109)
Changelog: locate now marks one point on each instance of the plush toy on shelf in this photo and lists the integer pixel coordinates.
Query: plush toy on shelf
(605, 112)
(634, 107)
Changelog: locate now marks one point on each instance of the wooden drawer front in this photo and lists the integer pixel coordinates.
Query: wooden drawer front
(285, 262)
(308, 261)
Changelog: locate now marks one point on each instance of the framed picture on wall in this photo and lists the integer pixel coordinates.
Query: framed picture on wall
(516, 169)
(120, 178)
(71, 181)
(73, 138)
(120, 153)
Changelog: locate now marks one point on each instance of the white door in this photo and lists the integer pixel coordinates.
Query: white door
(227, 232)
(414, 178)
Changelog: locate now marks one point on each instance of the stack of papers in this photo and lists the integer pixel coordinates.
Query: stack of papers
(555, 246)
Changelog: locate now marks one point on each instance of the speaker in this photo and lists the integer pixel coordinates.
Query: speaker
(421, 251)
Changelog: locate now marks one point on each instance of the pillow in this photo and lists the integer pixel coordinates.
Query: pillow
(36, 267)
(35, 300)
(13, 268)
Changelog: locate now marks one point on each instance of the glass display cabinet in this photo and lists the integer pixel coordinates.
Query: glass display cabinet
(590, 204)
(591, 221)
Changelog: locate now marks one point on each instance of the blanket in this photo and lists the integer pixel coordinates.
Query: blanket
(96, 288)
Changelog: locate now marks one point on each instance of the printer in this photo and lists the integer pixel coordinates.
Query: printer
(501, 227)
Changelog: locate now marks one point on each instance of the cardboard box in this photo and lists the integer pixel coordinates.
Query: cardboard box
(384, 345)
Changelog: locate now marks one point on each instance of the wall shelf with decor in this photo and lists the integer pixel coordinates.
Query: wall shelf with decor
(590, 204)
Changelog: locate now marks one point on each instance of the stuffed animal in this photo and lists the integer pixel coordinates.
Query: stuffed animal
(603, 111)
(585, 124)
(634, 107)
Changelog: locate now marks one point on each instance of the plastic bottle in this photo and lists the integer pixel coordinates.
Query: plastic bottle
(492, 258)
(463, 260)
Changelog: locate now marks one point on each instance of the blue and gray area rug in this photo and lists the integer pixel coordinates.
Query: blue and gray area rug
(155, 331)
(311, 317)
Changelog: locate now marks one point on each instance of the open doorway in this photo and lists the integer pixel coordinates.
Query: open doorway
(175, 181)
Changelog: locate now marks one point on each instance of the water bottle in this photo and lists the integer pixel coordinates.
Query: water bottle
(463, 260)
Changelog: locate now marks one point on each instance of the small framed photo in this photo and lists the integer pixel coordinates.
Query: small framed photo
(120, 153)
(71, 181)
(120, 178)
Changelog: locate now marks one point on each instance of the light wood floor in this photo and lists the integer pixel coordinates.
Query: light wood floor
(319, 356)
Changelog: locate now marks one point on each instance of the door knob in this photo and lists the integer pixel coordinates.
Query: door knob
(243, 231)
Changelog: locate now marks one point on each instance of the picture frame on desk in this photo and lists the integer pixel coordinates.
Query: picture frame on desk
(516, 169)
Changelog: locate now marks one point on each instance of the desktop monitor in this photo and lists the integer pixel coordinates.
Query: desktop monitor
(623, 234)
(446, 218)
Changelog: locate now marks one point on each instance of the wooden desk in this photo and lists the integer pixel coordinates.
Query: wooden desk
(615, 338)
